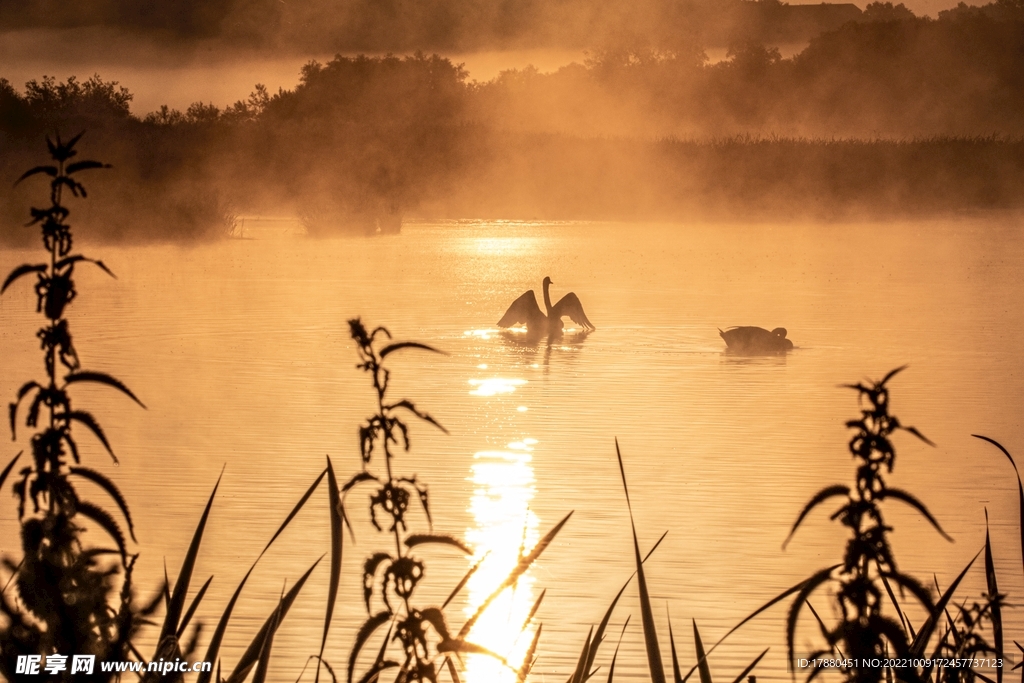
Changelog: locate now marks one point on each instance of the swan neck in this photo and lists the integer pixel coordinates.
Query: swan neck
(547, 297)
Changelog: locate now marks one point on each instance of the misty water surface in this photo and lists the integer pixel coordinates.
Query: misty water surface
(240, 350)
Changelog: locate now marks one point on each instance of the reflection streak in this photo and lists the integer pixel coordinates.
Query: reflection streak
(505, 528)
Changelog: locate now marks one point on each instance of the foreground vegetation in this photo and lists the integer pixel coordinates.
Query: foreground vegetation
(64, 595)
(893, 115)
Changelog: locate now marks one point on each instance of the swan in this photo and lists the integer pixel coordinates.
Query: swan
(756, 340)
(525, 310)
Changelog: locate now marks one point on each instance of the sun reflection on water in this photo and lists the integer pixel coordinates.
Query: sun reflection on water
(505, 528)
(494, 385)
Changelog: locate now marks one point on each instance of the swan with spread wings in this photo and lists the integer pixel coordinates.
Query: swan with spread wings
(526, 311)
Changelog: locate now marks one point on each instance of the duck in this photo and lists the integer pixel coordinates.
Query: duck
(526, 311)
(756, 340)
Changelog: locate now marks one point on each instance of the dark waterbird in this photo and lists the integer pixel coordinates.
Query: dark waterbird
(526, 311)
(756, 340)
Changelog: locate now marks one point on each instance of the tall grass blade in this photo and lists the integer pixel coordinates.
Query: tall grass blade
(750, 667)
(528, 660)
(177, 600)
(263, 663)
(252, 653)
(579, 674)
(676, 674)
(896, 604)
(295, 511)
(702, 659)
(994, 600)
(1020, 487)
(806, 589)
(925, 634)
(514, 575)
(193, 607)
(337, 540)
(465, 579)
(647, 614)
(599, 634)
(823, 627)
(615, 655)
(452, 671)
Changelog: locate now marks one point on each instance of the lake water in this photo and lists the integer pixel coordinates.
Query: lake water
(241, 351)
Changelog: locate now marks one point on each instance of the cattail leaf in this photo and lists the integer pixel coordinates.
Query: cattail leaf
(615, 655)
(102, 378)
(465, 579)
(677, 676)
(994, 600)
(599, 634)
(805, 590)
(48, 170)
(391, 348)
(251, 655)
(334, 500)
(907, 498)
(419, 539)
(23, 269)
(646, 612)
(514, 575)
(528, 659)
(1020, 487)
(177, 597)
(263, 662)
(295, 510)
(750, 667)
(895, 603)
(579, 673)
(101, 517)
(702, 658)
(925, 634)
(193, 606)
(365, 631)
(452, 671)
(213, 649)
(108, 486)
(819, 498)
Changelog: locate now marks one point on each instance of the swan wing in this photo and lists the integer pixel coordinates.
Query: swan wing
(523, 311)
(570, 305)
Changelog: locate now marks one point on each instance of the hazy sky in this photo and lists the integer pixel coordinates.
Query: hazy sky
(158, 76)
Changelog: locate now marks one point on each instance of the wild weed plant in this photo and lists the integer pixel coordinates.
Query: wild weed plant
(69, 597)
(426, 643)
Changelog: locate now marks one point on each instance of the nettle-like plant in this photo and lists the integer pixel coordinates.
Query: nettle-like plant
(868, 573)
(65, 598)
(422, 633)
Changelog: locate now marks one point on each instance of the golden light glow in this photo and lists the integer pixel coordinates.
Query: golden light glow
(494, 385)
(505, 530)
